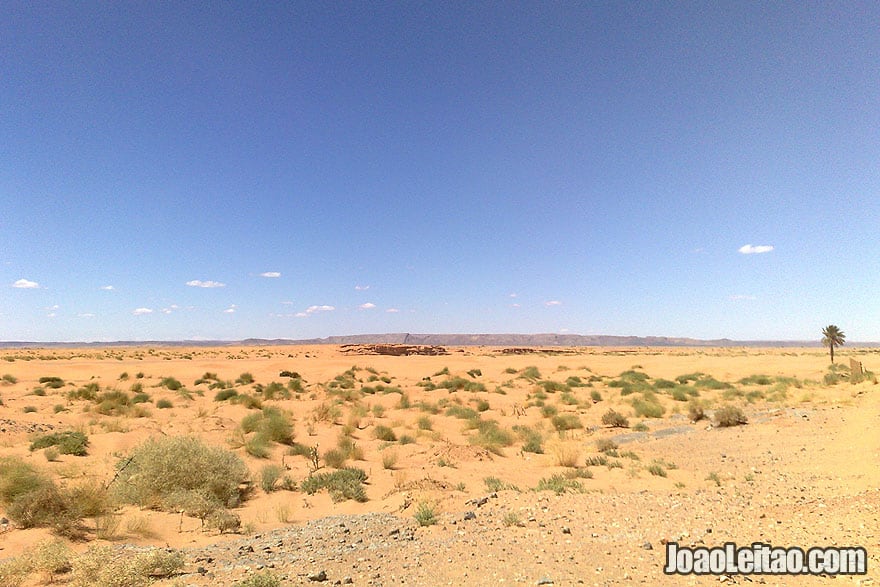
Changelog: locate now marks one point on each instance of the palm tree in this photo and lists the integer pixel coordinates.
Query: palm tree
(832, 336)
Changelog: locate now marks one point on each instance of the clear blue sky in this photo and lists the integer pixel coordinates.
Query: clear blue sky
(177, 170)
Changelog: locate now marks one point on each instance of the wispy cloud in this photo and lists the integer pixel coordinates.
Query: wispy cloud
(755, 249)
(367, 306)
(142, 311)
(392, 310)
(300, 315)
(26, 284)
(107, 287)
(553, 303)
(314, 309)
(513, 295)
(230, 309)
(55, 307)
(200, 283)
(287, 303)
(86, 315)
(514, 305)
(270, 274)
(741, 297)
(362, 287)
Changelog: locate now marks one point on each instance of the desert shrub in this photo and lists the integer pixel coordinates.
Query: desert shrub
(342, 484)
(382, 432)
(52, 382)
(269, 476)
(530, 373)
(461, 412)
(596, 396)
(566, 455)
(426, 514)
(615, 419)
(687, 378)
(67, 443)
(140, 398)
(170, 383)
(335, 458)
(532, 439)
(681, 393)
(275, 390)
(261, 579)
(112, 403)
(559, 484)
(755, 380)
(832, 378)
(10, 379)
(176, 472)
(730, 416)
(164, 404)
(657, 470)
(553, 386)
(225, 394)
(648, 407)
(86, 392)
(424, 423)
(663, 384)
(29, 409)
(18, 478)
(575, 381)
(248, 401)
(104, 566)
(640, 427)
(605, 445)
(271, 423)
(389, 459)
(245, 379)
(696, 411)
(491, 436)
(475, 373)
(563, 422)
(460, 383)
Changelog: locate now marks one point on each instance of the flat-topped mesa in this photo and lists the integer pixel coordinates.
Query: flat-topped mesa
(395, 350)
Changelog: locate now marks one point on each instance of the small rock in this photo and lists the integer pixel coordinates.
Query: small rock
(566, 530)
(545, 581)
(648, 546)
(470, 516)
(318, 577)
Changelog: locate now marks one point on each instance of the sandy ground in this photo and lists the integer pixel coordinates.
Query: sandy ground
(804, 471)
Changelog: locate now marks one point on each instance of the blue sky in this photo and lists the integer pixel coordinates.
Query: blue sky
(232, 170)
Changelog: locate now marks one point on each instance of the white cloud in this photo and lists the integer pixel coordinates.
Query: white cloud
(392, 310)
(142, 311)
(513, 295)
(514, 305)
(51, 315)
(86, 315)
(362, 287)
(300, 315)
(199, 283)
(367, 306)
(313, 309)
(755, 249)
(230, 309)
(55, 307)
(26, 284)
(165, 310)
(270, 274)
(107, 287)
(287, 303)
(553, 303)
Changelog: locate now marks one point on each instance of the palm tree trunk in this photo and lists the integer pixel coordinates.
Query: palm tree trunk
(832, 353)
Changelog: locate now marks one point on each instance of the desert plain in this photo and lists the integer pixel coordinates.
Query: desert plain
(478, 466)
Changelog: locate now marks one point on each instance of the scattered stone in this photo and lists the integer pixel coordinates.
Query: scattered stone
(318, 577)
(545, 581)
(470, 516)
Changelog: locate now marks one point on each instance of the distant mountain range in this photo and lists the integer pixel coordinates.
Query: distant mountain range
(524, 340)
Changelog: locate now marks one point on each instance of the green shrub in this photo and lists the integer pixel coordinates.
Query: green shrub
(755, 380)
(68, 443)
(559, 484)
(10, 379)
(105, 566)
(549, 410)
(696, 411)
(170, 383)
(425, 514)
(424, 423)
(271, 423)
(225, 394)
(52, 382)
(342, 484)
(245, 379)
(595, 396)
(605, 445)
(382, 432)
(140, 398)
(648, 407)
(171, 473)
(532, 439)
(563, 422)
(164, 404)
(275, 390)
(491, 437)
(657, 470)
(554, 386)
(269, 476)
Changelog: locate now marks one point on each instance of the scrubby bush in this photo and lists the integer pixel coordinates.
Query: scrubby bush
(730, 416)
(696, 411)
(262, 579)
(491, 436)
(426, 514)
(104, 566)
(176, 473)
(648, 407)
(271, 423)
(67, 443)
(382, 432)
(563, 422)
(342, 484)
(170, 383)
(615, 419)
(52, 382)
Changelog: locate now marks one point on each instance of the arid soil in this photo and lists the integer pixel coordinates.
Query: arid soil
(804, 471)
